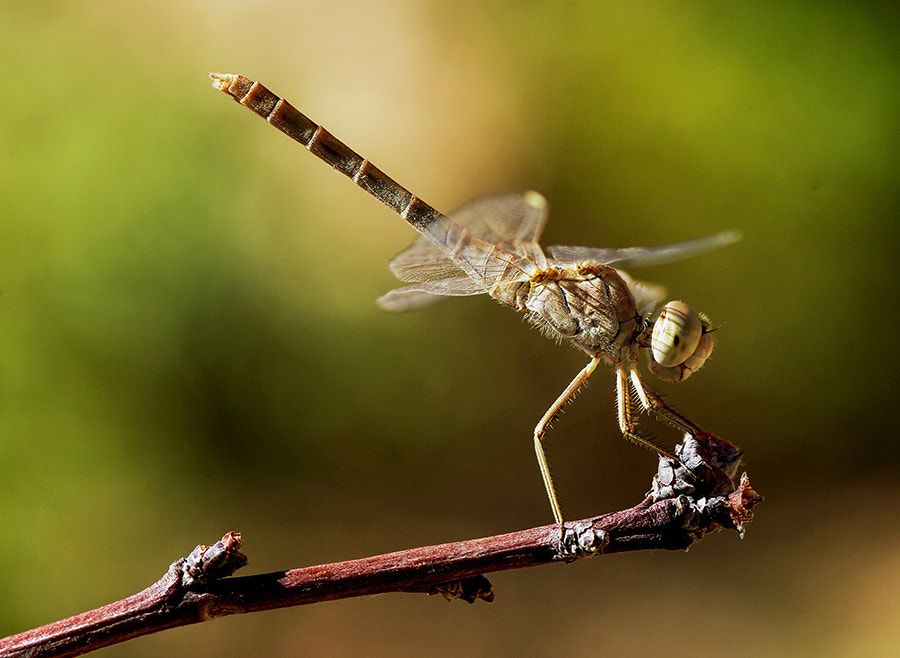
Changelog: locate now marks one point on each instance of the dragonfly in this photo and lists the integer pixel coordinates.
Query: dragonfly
(574, 294)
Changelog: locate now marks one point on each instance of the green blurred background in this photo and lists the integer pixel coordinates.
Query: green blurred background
(189, 342)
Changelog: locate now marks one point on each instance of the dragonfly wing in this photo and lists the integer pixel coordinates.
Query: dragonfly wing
(423, 261)
(489, 242)
(645, 255)
(424, 294)
(646, 295)
(508, 217)
(407, 299)
(475, 249)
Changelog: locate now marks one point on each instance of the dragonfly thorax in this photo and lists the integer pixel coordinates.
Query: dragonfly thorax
(595, 311)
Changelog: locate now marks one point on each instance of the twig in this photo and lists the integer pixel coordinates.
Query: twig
(680, 509)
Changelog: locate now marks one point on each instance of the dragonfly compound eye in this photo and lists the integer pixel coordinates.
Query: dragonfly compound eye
(676, 334)
(680, 343)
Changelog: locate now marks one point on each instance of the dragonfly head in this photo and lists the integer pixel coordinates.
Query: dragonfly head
(681, 341)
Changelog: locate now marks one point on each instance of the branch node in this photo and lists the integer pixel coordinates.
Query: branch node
(208, 563)
(467, 589)
(582, 539)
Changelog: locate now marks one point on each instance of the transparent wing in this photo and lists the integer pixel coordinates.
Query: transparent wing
(646, 295)
(406, 299)
(477, 265)
(492, 239)
(645, 255)
(508, 217)
(423, 261)
(424, 294)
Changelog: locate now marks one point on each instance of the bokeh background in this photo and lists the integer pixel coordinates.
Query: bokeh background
(189, 342)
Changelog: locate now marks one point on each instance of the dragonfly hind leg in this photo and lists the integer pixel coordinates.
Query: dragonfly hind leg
(541, 429)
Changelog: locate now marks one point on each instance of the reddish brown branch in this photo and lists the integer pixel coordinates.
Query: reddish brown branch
(680, 509)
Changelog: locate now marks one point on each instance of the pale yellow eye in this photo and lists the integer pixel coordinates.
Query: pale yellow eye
(676, 334)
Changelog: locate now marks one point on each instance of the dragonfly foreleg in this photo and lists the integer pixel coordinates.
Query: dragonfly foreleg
(626, 422)
(541, 429)
(653, 404)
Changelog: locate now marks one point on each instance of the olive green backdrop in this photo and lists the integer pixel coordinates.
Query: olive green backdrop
(189, 342)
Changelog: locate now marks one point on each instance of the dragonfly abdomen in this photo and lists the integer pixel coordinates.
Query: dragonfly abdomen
(321, 143)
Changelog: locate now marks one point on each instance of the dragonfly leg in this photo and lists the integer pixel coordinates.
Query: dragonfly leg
(654, 404)
(626, 421)
(541, 429)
